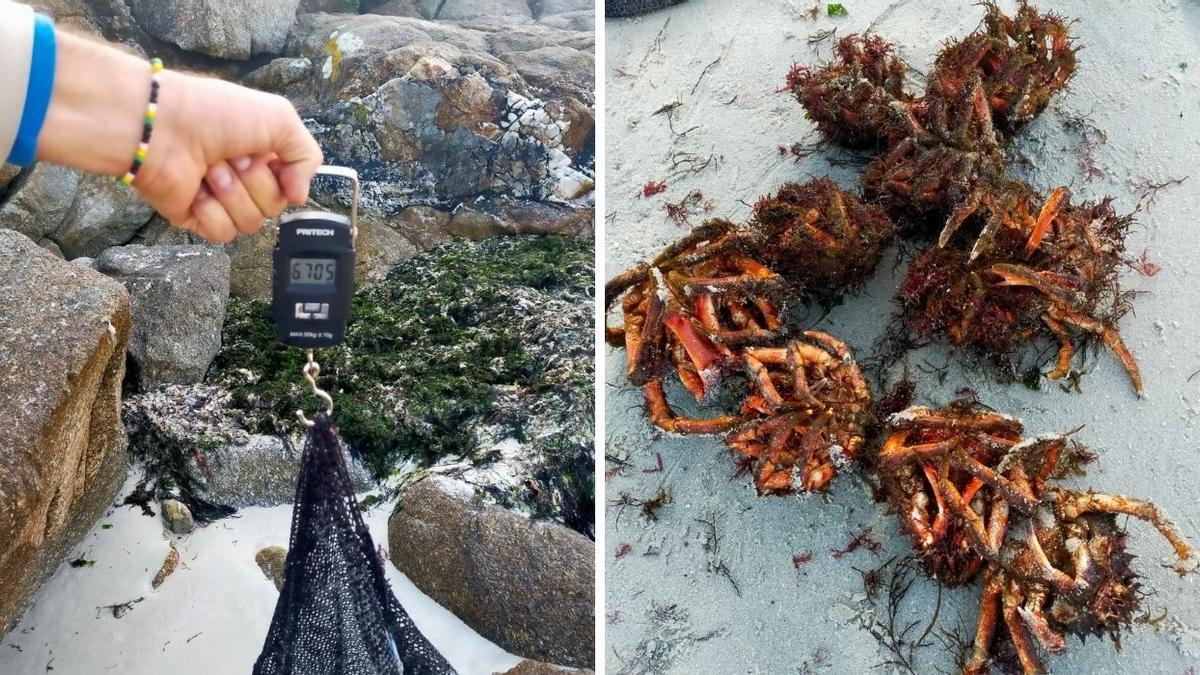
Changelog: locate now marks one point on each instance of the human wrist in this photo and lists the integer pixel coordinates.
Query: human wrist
(94, 121)
(35, 98)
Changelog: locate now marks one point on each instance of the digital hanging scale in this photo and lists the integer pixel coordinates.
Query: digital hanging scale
(313, 272)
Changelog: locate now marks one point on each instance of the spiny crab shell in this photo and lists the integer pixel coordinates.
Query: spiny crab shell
(808, 414)
(1023, 61)
(858, 100)
(818, 237)
(974, 494)
(1045, 270)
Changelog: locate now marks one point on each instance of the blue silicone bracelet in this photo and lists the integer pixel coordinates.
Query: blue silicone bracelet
(37, 94)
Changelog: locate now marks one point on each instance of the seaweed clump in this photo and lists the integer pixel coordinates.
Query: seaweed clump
(455, 351)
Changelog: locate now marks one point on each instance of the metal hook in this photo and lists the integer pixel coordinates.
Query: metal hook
(312, 370)
(352, 176)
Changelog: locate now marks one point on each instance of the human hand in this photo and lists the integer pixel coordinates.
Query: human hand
(222, 157)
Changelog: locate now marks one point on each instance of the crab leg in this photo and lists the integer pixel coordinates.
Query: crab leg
(1014, 493)
(942, 520)
(664, 418)
(799, 380)
(861, 391)
(960, 215)
(754, 275)
(918, 518)
(842, 227)
(1019, 275)
(989, 613)
(617, 286)
(686, 372)
(1073, 504)
(926, 418)
(812, 438)
(997, 524)
(983, 114)
(642, 349)
(895, 452)
(1044, 569)
(1030, 664)
(1110, 337)
(1065, 349)
(1049, 446)
(769, 314)
(974, 522)
(707, 232)
(1033, 614)
(1050, 209)
(762, 381)
(700, 350)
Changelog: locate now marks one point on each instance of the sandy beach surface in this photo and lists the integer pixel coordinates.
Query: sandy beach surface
(713, 585)
(208, 618)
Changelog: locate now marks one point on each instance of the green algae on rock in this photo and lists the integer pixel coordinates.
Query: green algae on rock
(455, 352)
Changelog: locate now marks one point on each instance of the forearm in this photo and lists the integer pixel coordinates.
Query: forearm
(94, 121)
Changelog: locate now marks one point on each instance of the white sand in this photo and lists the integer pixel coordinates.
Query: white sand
(208, 618)
(1130, 84)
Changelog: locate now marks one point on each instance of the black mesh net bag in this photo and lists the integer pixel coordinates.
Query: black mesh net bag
(336, 613)
(619, 8)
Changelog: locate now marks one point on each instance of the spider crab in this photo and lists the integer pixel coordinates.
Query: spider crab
(1044, 270)
(1022, 62)
(858, 100)
(1010, 265)
(818, 237)
(1006, 71)
(1065, 570)
(974, 494)
(687, 311)
(706, 306)
(939, 471)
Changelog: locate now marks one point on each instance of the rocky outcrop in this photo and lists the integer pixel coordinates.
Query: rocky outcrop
(179, 295)
(63, 332)
(193, 444)
(526, 585)
(517, 10)
(80, 215)
(441, 113)
(8, 173)
(531, 667)
(227, 29)
(103, 213)
(38, 201)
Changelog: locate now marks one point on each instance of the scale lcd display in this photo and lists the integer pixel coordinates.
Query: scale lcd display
(313, 271)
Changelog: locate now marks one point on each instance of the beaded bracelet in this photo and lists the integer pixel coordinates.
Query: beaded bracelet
(156, 66)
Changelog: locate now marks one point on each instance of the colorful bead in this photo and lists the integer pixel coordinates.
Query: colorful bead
(139, 156)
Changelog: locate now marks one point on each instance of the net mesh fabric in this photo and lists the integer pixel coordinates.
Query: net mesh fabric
(635, 7)
(336, 614)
